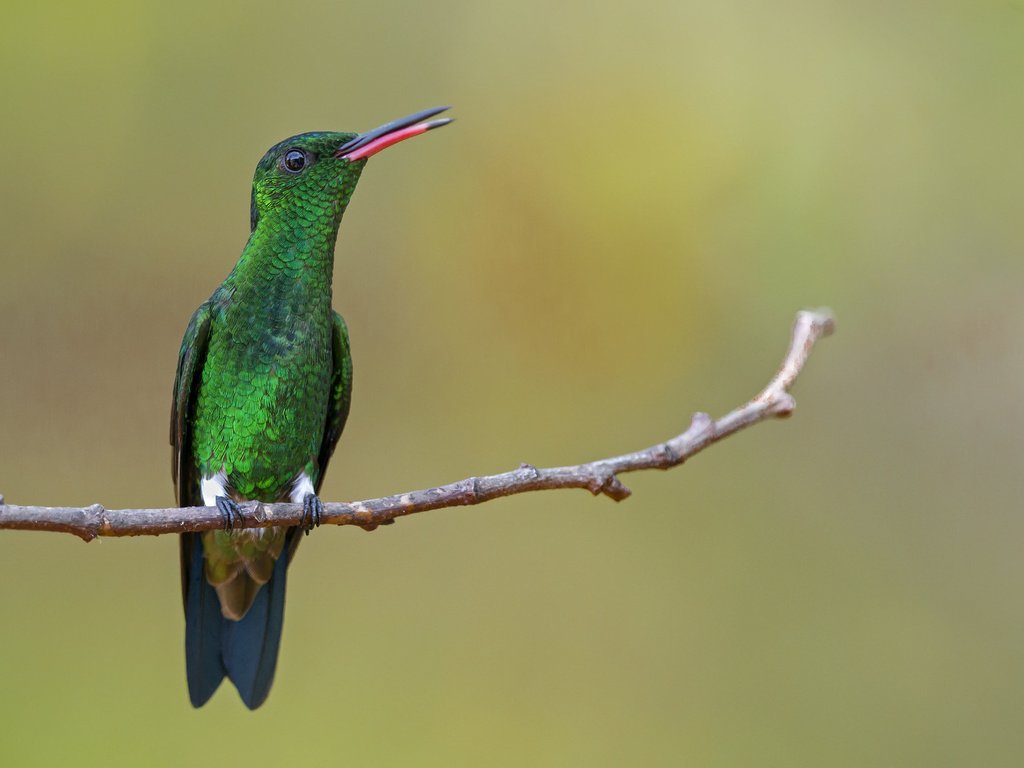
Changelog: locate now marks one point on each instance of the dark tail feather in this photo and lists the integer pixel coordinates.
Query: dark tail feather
(203, 624)
(249, 647)
(246, 650)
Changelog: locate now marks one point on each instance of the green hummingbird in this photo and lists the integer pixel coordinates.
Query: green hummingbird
(261, 396)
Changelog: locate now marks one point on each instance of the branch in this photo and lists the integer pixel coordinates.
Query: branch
(598, 477)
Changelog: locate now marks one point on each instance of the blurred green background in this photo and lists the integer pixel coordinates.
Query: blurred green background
(617, 231)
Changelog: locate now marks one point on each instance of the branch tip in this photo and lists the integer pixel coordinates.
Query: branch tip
(699, 424)
(784, 405)
(615, 490)
(823, 318)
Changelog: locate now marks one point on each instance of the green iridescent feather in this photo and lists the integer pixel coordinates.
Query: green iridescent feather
(261, 396)
(264, 379)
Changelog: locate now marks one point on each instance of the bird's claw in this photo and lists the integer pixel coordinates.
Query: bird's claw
(229, 512)
(312, 510)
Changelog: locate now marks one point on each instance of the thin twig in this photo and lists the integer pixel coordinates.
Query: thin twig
(598, 477)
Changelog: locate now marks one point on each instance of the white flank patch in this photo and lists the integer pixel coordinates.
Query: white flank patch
(301, 487)
(212, 487)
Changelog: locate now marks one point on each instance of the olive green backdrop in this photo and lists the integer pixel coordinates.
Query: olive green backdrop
(617, 231)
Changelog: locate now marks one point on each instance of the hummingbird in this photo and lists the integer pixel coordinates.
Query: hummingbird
(261, 396)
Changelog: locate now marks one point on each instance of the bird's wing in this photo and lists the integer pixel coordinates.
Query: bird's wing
(341, 395)
(186, 384)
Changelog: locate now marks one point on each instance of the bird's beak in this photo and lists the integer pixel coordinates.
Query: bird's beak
(370, 143)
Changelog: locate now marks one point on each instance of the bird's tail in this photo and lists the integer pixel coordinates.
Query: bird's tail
(245, 651)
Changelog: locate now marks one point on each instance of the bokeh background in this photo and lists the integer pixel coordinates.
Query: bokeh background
(617, 231)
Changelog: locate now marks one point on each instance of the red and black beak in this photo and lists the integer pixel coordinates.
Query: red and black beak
(370, 143)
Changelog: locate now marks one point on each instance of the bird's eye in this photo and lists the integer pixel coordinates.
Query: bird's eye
(294, 161)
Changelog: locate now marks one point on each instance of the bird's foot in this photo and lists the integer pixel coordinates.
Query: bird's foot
(229, 512)
(312, 510)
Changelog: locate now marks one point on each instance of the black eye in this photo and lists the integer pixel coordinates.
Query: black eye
(294, 161)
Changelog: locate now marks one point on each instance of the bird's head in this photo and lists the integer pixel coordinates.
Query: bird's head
(311, 176)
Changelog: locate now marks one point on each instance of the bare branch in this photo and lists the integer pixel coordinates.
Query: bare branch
(598, 477)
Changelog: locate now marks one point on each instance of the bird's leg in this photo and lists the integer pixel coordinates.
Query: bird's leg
(229, 512)
(312, 509)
